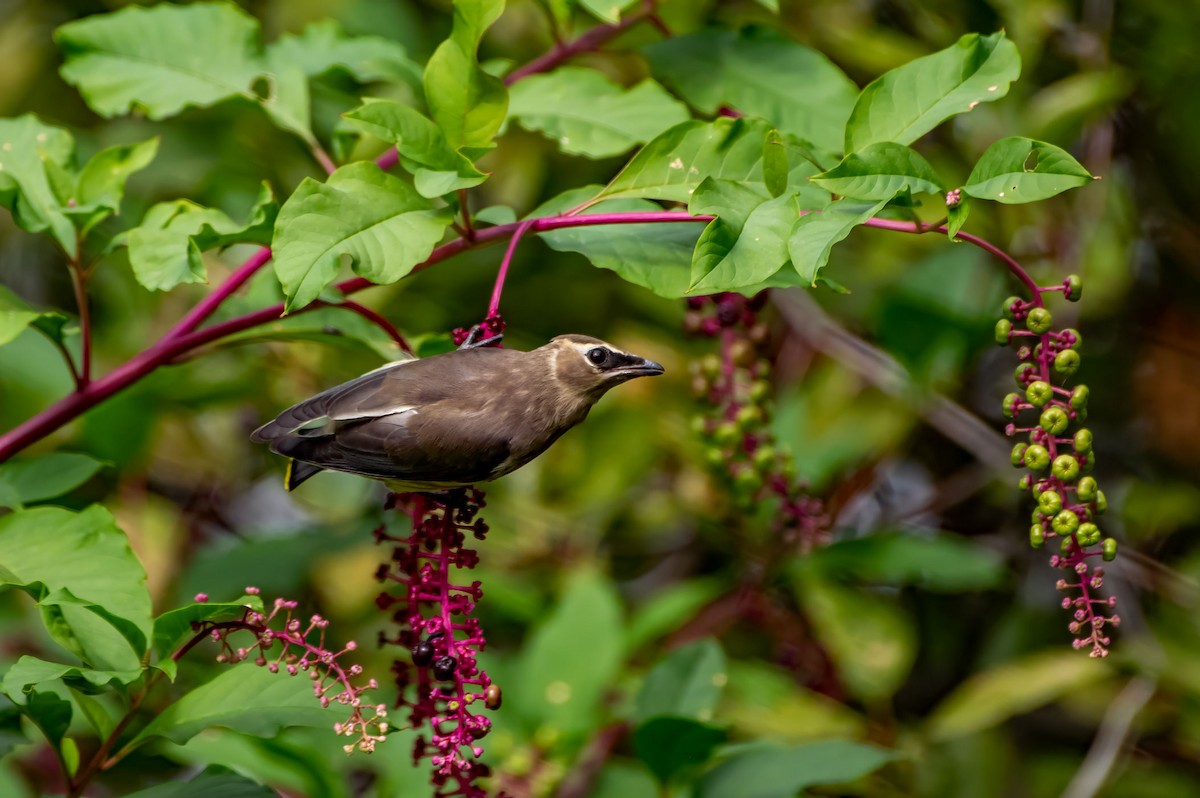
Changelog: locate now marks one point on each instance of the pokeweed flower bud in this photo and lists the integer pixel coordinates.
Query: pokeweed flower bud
(1039, 320)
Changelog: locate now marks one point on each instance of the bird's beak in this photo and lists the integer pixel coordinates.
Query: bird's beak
(640, 367)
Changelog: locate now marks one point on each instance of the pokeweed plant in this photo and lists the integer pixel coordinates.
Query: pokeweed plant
(732, 190)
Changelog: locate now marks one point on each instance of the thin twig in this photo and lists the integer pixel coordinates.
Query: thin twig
(592, 40)
(79, 284)
(502, 273)
(1111, 737)
(323, 158)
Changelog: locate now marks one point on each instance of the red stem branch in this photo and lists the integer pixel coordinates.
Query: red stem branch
(498, 288)
(592, 40)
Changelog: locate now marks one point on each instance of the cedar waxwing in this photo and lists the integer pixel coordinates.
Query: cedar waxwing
(451, 420)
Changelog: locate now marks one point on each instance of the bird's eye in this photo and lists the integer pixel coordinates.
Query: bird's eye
(598, 356)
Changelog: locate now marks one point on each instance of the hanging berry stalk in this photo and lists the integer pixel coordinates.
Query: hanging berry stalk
(1059, 457)
(440, 682)
(735, 423)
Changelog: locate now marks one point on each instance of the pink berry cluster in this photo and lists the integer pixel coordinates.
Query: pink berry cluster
(735, 423)
(284, 642)
(440, 682)
(1059, 458)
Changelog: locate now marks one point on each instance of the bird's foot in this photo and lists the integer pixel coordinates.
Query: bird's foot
(490, 332)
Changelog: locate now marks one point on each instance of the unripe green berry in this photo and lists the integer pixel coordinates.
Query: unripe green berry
(1065, 546)
(764, 456)
(1066, 468)
(726, 433)
(1065, 523)
(1066, 362)
(1086, 490)
(710, 365)
(1110, 549)
(1025, 482)
(1037, 536)
(714, 456)
(1037, 458)
(747, 481)
(1088, 534)
(760, 390)
(742, 352)
(1010, 404)
(1083, 441)
(749, 416)
(1008, 308)
(1018, 454)
(1003, 331)
(1039, 320)
(1074, 288)
(1050, 502)
(1039, 393)
(1079, 397)
(699, 425)
(1101, 502)
(1054, 420)
(1021, 371)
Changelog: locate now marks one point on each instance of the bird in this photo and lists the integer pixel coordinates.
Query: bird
(452, 420)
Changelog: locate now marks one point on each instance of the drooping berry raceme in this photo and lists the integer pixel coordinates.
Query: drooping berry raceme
(440, 681)
(735, 423)
(283, 642)
(1057, 452)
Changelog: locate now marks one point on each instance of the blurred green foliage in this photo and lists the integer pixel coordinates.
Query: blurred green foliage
(939, 658)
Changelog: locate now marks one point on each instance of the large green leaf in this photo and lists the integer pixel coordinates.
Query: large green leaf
(943, 562)
(588, 114)
(245, 698)
(671, 745)
(1015, 170)
(33, 157)
(174, 628)
(655, 255)
(687, 683)
(760, 72)
(814, 235)
(879, 172)
(436, 167)
(768, 770)
(102, 181)
(167, 249)
(81, 565)
(671, 166)
(323, 46)
(607, 10)
(466, 102)
(572, 658)
(41, 478)
(739, 257)
(378, 221)
(1014, 688)
(214, 782)
(16, 315)
(906, 103)
(27, 673)
(161, 59)
(668, 609)
(871, 640)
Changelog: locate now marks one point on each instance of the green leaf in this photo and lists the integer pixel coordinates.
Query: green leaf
(15, 315)
(323, 46)
(942, 563)
(51, 714)
(653, 255)
(736, 254)
(166, 250)
(378, 221)
(246, 699)
(1014, 688)
(213, 782)
(870, 639)
(879, 172)
(172, 629)
(588, 114)
(607, 10)
(686, 684)
(956, 217)
(47, 550)
(906, 103)
(101, 183)
(11, 734)
(50, 475)
(467, 103)
(571, 659)
(667, 610)
(31, 154)
(814, 235)
(760, 72)
(289, 101)
(671, 166)
(670, 745)
(437, 168)
(1015, 170)
(768, 770)
(161, 59)
(28, 673)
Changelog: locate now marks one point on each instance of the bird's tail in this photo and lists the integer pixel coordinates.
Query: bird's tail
(297, 472)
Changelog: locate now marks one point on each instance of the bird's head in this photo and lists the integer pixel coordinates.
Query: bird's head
(588, 366)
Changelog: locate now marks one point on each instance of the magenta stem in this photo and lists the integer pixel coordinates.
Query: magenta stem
(207, 306)
(498, 288)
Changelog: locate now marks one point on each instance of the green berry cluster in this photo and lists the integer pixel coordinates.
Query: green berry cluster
(1058, 456)
(734, 422)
